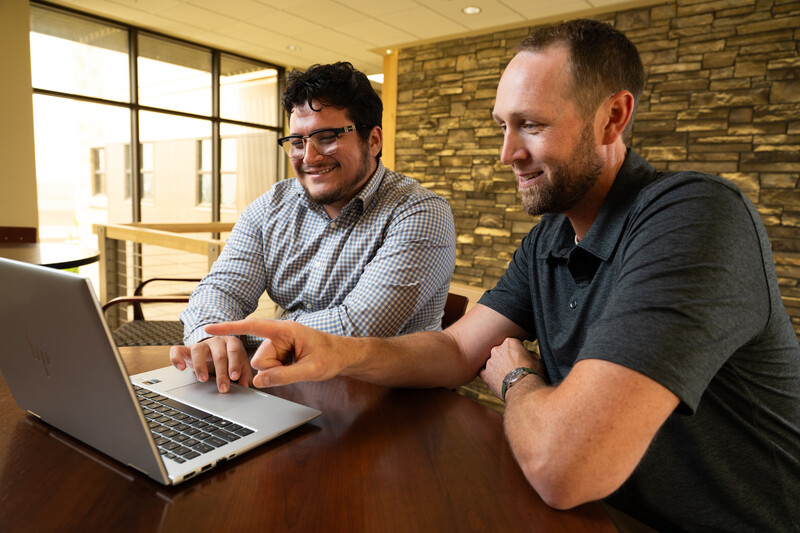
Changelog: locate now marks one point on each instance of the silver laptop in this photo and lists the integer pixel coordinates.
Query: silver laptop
(61, 364)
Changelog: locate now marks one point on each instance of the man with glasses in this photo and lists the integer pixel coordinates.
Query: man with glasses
(669, 377)
(346, 246)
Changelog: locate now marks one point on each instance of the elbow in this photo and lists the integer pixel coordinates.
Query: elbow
(562, 486)
(560, 498)
(556, 493)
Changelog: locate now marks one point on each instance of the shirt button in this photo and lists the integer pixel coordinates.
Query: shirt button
(573, 304)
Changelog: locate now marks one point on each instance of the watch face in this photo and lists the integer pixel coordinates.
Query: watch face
(514, 375)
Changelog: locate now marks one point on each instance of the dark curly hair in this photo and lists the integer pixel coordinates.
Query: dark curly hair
(337, 85)
(603, 61)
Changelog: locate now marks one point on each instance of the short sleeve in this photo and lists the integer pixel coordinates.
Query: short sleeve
(690, 286)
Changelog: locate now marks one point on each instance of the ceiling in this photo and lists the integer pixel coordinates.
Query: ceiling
(298, 33)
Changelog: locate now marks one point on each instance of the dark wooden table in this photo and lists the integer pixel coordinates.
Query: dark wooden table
(377, 460)
(54, 255)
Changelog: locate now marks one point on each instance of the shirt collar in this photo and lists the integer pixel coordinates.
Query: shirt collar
(606, 230)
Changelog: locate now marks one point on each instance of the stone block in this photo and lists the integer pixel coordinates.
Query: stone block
(749, 69)
(734, 84)
(693, 85)
(491, 220)
(783, 92)
(755, 129)
(506, 199)
(664, 153)
(492, 232)
(694, 8)
(701, 125)
(780, 181)
(631, 20)
(718, 59)
(791, 219)
(730, 99)
(667, 11)
(675, 67)
(742, 114)
(466, 62)
(769, 26)
(711, 168)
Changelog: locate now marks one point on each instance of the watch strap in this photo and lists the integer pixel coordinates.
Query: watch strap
(525, 371)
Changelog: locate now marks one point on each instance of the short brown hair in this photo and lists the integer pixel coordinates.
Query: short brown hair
(603, 61)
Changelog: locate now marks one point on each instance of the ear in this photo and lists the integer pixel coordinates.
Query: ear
(618, 111)
(375, 141)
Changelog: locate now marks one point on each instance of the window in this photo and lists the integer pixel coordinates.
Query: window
(98, 171)
(146, 150)
(86, 119)
(205, 184)
(147, 171)
(227, 172)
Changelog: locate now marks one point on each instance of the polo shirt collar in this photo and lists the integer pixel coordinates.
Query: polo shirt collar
(606, 230)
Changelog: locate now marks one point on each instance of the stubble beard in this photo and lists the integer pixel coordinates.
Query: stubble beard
(345, 189)
(568, 181)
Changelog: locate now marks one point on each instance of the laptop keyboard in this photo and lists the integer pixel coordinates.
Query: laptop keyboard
(183, 432)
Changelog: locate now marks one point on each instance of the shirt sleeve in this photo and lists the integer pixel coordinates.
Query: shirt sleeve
(690, 288)
(231, 290)
(406, 281)
(511, 296)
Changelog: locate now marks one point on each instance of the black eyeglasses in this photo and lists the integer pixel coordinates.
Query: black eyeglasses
(325, 141)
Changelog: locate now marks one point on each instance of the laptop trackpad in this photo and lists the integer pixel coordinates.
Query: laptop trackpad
(239, 400)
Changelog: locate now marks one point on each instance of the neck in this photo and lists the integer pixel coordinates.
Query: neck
(582, 216)
(333, 209)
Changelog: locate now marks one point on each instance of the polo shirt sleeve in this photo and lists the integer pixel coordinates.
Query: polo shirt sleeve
(690, 285)
(511, 297)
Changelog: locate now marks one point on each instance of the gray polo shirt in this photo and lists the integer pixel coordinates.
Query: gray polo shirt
(675, 279)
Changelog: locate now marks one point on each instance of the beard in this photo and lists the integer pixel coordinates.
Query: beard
(346, 188)
(569, 180)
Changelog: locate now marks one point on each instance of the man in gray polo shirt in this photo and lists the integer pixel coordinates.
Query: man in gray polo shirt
(669, 378)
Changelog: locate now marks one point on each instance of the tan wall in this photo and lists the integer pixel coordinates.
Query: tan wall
(723, 96)
(18, 204)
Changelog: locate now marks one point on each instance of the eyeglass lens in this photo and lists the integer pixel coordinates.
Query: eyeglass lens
(325, 143)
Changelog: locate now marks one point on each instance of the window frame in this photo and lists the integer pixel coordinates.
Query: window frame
(137, 190)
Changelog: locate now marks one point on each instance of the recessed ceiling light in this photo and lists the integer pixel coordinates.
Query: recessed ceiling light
(293, 47)
(471, 10)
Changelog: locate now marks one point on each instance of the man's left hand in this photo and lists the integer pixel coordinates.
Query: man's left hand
(505, 358)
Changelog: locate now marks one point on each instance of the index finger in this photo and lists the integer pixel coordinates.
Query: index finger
(178, 356)
(249, 326)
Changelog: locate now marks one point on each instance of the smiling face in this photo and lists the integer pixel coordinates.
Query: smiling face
(333, 180)
(548, 143)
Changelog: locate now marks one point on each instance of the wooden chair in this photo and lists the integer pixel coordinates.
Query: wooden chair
(454, 308)
(143, 332)
(17, 234)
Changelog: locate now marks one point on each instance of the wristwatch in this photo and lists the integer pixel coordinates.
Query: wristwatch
(514, 377)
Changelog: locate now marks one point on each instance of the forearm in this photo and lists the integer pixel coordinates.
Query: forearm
(535, 438)
(426, 359)
(581, 440)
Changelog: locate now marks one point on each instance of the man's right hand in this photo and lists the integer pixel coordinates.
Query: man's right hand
(225, 357)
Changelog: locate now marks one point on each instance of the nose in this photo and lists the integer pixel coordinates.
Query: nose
(513, 149)
(310, 152)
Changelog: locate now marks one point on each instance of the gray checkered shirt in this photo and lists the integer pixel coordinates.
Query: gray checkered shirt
(381, 268)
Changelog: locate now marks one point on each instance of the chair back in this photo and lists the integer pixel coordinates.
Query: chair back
(454, 308)
(17, 234)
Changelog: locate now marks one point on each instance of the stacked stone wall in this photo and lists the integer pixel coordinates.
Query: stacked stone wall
(722, 96)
